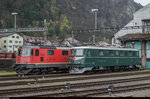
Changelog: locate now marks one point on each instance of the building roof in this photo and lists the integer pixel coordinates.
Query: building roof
(5, 34)
(31, 39)
(103, 43)
(70, 39)
(136, 23)
(133, 37)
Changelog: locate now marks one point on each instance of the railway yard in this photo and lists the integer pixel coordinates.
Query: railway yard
(68, 58)
(124, 84)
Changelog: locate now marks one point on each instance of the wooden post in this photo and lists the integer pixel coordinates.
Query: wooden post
(143, 53)
(143, 47)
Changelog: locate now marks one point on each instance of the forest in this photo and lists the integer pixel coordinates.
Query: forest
(63, 16)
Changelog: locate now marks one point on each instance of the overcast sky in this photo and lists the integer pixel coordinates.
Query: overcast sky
(143, 2)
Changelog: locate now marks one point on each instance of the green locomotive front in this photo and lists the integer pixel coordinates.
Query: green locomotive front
(102, 58)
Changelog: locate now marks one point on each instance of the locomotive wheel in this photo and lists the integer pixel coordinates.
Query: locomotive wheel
(45, 70)
(17, 69)
(64, 71)
(36, 71)
(112, 69)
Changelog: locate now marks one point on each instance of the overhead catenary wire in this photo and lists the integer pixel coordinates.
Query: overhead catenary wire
(110, 29)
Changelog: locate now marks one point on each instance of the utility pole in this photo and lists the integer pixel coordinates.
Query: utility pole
(14, 13)
(72, 38)
(15, 26)
(89, 40)
(95, 12)
(45, 34)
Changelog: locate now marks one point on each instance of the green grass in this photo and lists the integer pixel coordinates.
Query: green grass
(7, 73)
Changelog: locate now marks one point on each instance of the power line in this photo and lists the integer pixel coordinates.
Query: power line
(41, 29)
(110, 29)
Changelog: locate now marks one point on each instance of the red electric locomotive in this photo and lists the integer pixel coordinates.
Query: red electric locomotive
(39, 59)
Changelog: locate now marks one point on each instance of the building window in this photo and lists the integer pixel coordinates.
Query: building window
(10, 46)
(20, 42)
(5, 41)
(16, 46)
(4, 46)
(10, 41)
(17, 37)
(16, 41)
(13, 36)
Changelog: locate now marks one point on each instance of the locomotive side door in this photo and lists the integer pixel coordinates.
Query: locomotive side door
(42, 53)
(36, 58)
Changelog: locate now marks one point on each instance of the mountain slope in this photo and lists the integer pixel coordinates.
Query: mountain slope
(31, 13)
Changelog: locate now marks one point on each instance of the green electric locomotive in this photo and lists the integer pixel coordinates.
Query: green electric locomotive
(84, 59)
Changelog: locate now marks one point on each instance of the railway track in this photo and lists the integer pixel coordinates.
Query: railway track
(15, 76)
(63, 78)
(122, 89)
(99, 92)
(27, 91)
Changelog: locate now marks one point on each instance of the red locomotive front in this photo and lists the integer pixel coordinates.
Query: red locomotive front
(37, 59)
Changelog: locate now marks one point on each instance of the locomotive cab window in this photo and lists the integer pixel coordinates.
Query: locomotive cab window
(65, 53)
(79, 52)
(27, 52)
(19, 52)
(31, 52)
(37, 52)
(50, 52)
